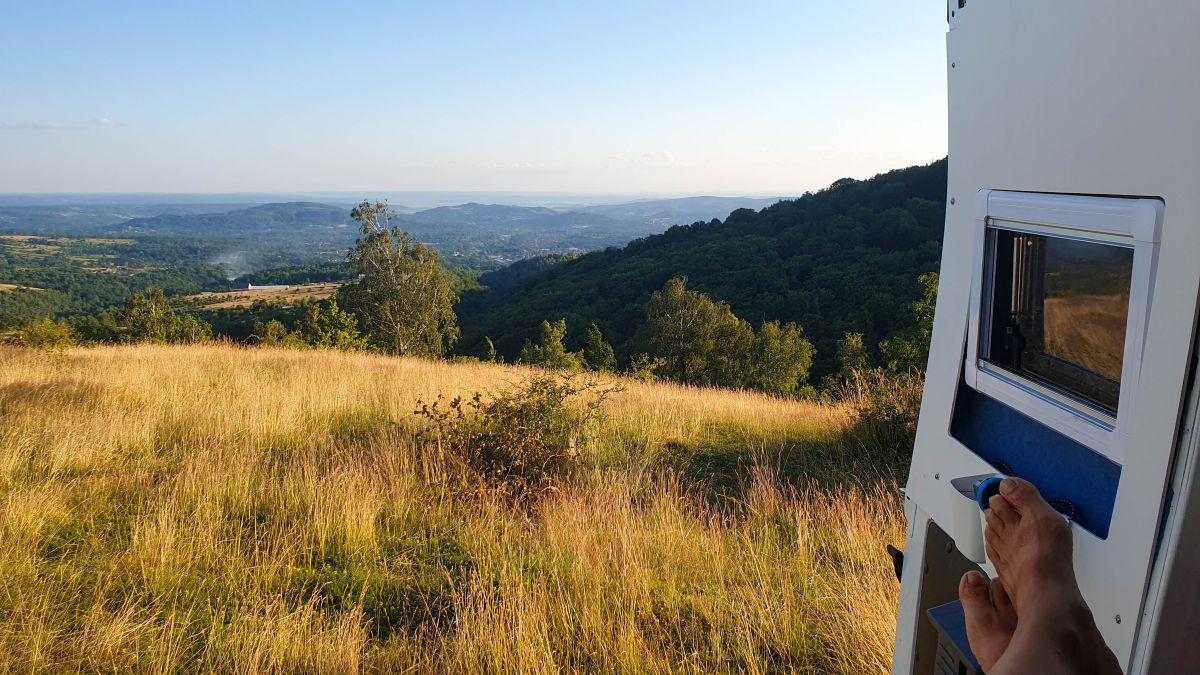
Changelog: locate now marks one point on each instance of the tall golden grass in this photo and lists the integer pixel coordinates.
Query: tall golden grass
(1088, 330)
(217, 508)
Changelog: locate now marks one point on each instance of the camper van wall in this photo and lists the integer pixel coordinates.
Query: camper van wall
(1073, 141)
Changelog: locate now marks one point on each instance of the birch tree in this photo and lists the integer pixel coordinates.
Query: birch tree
(404, 298)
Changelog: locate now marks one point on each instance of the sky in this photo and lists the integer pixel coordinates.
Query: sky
(746, 97)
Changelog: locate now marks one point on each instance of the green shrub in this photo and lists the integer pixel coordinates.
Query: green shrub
(643, 368)
(47, 334)
(522, 440)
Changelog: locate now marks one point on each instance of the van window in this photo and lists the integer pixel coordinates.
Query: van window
(1058, 312)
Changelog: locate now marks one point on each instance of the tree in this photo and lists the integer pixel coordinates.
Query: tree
(190, 330)
(47, 334)
(781, 359)
(699, 341)
(148, 317)
(852, 355)
(597, 353)
(550, 352)
(274, 334)
(97, 328)
(909, 350)
(404, 297)
(326, 326)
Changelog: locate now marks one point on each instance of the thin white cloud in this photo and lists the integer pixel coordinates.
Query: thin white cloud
(105, 122)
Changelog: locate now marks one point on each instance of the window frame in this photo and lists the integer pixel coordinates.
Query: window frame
(1134, 223)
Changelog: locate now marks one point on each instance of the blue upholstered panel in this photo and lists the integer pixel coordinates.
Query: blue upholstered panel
(1060, 467)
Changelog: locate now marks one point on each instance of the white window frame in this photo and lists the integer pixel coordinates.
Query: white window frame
(1134, 223)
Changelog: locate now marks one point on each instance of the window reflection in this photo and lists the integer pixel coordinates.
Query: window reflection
(1058, 312)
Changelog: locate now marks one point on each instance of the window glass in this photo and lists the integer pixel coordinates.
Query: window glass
(1058, 312)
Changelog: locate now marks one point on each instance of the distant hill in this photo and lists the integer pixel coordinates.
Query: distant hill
(678, 211)
(480, 236)
(264, 219)
(504, 234)
(843, 259)
(255, 236)
(491, 215)
(86, 219)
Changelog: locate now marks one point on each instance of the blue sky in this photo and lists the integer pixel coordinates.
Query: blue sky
(735, 97)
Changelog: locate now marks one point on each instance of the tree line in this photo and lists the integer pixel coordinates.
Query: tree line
(403, 304)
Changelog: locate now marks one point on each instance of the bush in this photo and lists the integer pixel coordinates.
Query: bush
(643, 368)
(47, 334)
(522, 440)
(885, 406)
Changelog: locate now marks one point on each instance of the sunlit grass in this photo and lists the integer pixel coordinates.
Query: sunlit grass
(219, 508)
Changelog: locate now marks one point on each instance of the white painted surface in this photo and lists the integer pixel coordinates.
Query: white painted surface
(1083, 97)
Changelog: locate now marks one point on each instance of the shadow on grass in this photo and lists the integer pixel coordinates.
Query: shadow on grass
(855, 457)
(410, 589)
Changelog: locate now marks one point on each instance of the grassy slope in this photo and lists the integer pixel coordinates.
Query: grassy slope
(170, 508)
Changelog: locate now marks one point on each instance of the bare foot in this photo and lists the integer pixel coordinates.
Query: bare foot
(1028, 542)
(991, 619)
(1030, 545)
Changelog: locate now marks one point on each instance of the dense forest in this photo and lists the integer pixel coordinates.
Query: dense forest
(44, 276)
(845, 259)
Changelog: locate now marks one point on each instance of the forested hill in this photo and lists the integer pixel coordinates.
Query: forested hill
(286, 218)
(843, 259)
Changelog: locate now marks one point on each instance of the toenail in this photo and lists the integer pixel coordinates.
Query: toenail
(974, 579)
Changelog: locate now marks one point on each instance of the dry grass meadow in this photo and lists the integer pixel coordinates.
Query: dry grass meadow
(215, 508)
(245, 298)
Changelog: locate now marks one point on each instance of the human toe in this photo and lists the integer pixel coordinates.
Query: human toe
(1023, 496)
(987, 635)
(1003, 509)
(1005, 610)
